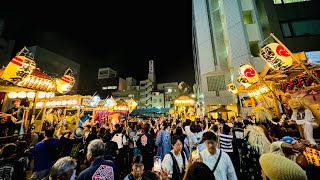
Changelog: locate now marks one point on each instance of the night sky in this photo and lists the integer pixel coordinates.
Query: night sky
(123, 36)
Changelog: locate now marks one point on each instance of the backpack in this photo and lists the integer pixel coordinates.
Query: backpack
(177, 175)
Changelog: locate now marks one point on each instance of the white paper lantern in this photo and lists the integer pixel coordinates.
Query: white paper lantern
(243, 81)
(247, 71)
(232, 88)
(276, 56)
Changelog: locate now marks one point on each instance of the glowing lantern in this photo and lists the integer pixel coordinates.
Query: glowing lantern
(276, 56)
(232, 88)
(94, 101)
(248, 72)
(243, 81)
(20, 67)
(132, 105)
(66, 82)
(12, 95)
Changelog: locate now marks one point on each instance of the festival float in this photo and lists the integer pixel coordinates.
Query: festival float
(22, 79)
(184, 107)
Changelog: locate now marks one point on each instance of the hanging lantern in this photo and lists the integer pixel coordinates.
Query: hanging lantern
(276, 56)
(20, 67)
(232, 88)
(243, 81)
(248, 72)
(66, 82)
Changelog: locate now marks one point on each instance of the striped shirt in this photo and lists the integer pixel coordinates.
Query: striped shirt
(225, 142)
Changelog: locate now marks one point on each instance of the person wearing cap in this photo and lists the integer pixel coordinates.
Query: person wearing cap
(72, 143)
(13, 116)
(277, 167)
(287, 147)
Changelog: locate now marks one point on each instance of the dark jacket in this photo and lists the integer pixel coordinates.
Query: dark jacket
(99, 169)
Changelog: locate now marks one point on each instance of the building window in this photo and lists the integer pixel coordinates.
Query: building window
(169, 90)
(109, 87)
(154, 100)
(247, 17)
(216, 83)
(300, 28)
(254, 49)
(288, 1)
(160, 100)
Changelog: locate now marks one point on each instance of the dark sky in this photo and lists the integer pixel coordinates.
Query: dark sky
(124, 36)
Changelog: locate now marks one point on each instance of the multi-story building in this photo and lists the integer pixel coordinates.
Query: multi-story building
(130, 83)
(105, 73)
(171, 91)
(55, 65)
(229, 33)
(110, 85)
(295, 22)
(158, 100)
(146, 88)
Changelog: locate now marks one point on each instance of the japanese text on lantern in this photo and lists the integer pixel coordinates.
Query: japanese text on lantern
(276, 56)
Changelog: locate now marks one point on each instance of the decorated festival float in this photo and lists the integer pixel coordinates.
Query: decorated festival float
(110, 110)
(37, 91)
(289, 84)
(184, 107)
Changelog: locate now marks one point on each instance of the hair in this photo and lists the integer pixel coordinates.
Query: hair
(88, 126)
(215, 128)
(137, 159)
(179, 131)
(188, 122)
(49, 132)
(149, 175)
(226, 129)
(96, 148)
(193, 128)
(175, 139)
(165, 125)
(246, 122)
(8, 150)
(63, 168)
(199, 170)
(21, 146)
(146, 128)
(209, 136)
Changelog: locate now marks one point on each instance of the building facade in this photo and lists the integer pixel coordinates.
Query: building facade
(105, 73)
(171, 91)
(226, 34)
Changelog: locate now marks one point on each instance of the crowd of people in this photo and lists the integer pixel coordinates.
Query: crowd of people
(161, 148)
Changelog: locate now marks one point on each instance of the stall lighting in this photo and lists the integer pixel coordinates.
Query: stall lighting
(259, 91)
(22, 94)
(12, 95)
(41, 95)
(31, 95)
(58, 103)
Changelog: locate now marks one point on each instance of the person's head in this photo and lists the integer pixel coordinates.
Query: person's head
(246, 122)
(193, 128)
(96, 149)
(199, 170)
(64, 169)
(201, 124)
(146, 128)
(210, 140)
(198, 128)
(165, 125)
(119, 130)
(21, 146)
(137, 167)
(16, 102)
(176, 143)
(215, 128)
(226, 129)
(87, 128)
(149, 175)
(188, 122)
(8, 150)
(49, 132)
(179, 131)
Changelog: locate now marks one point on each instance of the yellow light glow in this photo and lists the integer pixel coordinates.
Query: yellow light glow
(31, 95)
(12, 95)
(63, 102)
(39, 104)
(41, 94)
(58, 103)
(22, 95)
(259, 91)
(49, 94)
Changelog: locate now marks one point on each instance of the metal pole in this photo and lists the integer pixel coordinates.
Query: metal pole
(294, 58)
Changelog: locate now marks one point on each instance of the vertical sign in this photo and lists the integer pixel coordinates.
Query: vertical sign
(151, 67)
